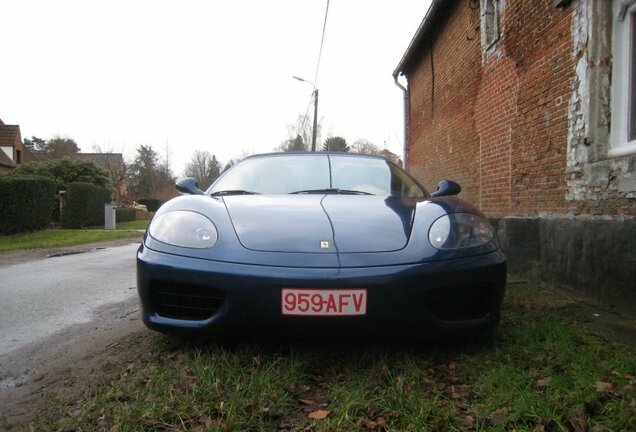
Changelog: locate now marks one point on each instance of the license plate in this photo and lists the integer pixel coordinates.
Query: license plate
(324, 302)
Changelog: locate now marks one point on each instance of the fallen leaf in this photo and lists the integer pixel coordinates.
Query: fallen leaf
(208, 422)
(498, 416)
(189, 383)
(542, 384)
(307, 401)
(452, 365)
(317, 378)
(319, 414)
(602, 386)
(597, 428)
(606, 387)
(469, 421)
(578, 424)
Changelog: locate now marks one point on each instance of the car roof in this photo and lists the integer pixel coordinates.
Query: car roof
(316, 153)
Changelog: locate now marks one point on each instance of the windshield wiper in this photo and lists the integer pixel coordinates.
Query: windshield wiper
(332, 191)
(233, 192)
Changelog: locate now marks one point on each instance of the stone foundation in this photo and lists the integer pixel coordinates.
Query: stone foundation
(592, 257)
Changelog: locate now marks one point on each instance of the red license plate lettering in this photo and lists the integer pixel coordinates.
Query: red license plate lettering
(323, 302)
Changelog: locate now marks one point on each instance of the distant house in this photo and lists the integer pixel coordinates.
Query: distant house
(388, 155)
(531, 107)
(114, 164)
(12, 152)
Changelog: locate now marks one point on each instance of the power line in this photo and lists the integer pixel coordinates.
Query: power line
(322, 40)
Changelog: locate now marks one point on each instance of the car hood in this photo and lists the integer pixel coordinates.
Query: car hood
(321, 223)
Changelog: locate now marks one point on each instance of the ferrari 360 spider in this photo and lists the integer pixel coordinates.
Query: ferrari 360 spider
(319, 244)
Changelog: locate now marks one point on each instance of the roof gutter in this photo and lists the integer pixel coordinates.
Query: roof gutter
(406, 117)
(421, 32)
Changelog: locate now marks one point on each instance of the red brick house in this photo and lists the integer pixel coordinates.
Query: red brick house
(531, 106)
(12, 151)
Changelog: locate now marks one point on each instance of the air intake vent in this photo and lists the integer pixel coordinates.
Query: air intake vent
(184, 301)
(461, 302)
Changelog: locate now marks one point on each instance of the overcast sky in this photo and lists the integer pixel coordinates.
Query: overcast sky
(202, 75)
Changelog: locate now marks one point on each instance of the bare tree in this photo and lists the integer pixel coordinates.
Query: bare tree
(299, 134)
(204, 167)
(365, 146)
(235, 160)
(117, 168)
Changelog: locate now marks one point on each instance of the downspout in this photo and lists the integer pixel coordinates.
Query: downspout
(406, 116)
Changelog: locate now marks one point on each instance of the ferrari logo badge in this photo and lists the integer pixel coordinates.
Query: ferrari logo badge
(324, 245)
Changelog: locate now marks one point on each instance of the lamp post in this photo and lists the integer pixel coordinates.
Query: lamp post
(315, 128)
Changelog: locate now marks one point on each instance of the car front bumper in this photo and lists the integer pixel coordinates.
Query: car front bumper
(201, 298)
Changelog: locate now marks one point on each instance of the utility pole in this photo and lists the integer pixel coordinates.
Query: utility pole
(315, 128)
(314, 132)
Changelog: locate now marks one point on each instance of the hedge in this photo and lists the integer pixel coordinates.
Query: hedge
(125, 214)
(152, 204)
(84, 205)
(26, 203)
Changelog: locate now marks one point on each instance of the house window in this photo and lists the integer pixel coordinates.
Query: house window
(623, 130)
(489, 23)
(18, 157)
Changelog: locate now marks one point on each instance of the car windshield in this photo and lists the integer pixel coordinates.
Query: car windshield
(306, 174)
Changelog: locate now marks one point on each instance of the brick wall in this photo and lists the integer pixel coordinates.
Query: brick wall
(442, 136)
(497, 121)
(538, 41)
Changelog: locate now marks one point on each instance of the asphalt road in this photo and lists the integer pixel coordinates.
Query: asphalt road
(45, 296)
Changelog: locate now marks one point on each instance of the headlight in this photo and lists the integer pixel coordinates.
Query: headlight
(460, 230)
(185, 229)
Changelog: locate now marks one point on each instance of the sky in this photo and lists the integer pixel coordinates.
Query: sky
(202, 74)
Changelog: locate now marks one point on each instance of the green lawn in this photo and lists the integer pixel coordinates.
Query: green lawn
(138, 225)
(69, 237)
(540, 371)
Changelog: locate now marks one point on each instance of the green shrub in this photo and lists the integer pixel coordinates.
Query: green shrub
(65, 171)
(26, 203)
(152, 204)
(125, 215)
(84, 205)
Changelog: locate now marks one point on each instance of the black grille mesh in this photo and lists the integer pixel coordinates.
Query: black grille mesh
(184, 301)
(461, 302)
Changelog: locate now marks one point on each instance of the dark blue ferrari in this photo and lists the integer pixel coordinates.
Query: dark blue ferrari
(319, 244)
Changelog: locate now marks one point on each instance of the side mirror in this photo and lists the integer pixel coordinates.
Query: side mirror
(447, 188)
(188, 185)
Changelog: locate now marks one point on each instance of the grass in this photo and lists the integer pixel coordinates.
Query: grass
(134, 225)
(53, 238)
(540, 371)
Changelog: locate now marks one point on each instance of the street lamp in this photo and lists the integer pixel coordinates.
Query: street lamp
(314, 130)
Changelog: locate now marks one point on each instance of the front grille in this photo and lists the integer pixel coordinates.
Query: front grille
(461, 302)
(185, 301)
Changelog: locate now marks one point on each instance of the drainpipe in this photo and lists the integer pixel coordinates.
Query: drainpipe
(406, 116)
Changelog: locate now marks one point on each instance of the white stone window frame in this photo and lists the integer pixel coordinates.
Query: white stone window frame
(623, 78)
(487, 43)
